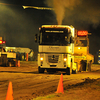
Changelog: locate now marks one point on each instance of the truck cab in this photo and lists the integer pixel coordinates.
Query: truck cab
(56, 48)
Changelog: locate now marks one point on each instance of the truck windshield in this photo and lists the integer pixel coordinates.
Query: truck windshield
(55, 37)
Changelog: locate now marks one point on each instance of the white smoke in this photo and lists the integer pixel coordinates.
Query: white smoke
(60, 7)
(79, 13)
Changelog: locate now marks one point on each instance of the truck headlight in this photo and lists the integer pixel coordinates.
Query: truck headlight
(41, 58)
(65, 59)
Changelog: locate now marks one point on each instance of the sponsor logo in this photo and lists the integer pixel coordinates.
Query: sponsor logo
(54, 48)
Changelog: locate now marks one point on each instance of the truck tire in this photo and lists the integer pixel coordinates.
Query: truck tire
(4, 60)
(40, 70)
(89, 66)
(5, 65)
(74, 72)
(68, 71)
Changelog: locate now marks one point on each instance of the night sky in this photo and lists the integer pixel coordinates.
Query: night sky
(19, 25)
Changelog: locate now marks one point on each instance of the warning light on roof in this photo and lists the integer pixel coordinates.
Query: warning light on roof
(4, 42)
(82, 33)
(0, 41)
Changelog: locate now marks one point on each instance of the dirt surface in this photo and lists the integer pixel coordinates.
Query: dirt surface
(28, 84)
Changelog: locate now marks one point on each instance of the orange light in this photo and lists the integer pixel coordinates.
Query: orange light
(82, 33)
(1, 41)
(39, 28)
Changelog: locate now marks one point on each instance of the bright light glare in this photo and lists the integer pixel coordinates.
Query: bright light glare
(41, 58)
(79, 48)
(65, 59)
(24, 7)
(0, 41)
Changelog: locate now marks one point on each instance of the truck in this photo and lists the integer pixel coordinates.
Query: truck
(6, 58)
(57, 50)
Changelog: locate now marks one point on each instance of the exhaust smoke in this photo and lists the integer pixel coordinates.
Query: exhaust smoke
(60, 7)
(79, 13)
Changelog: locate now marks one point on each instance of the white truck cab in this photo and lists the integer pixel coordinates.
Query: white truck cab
(56, 48)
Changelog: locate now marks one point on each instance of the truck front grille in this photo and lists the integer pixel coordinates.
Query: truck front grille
(53, 58)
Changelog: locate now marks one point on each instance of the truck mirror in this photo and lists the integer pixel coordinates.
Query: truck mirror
(36, 37)
(39, 39)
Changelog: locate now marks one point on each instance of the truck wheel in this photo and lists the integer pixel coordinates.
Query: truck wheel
(15, 65)
(89, 66)
(73, 71)
(40, 70)
(5, 65)
(68, 71)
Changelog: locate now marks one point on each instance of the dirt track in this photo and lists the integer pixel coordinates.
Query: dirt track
(28, 83)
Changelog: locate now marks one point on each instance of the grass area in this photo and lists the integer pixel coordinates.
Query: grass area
(87, 90)
(43, 98)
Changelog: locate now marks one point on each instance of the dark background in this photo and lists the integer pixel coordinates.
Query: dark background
(18, 26)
